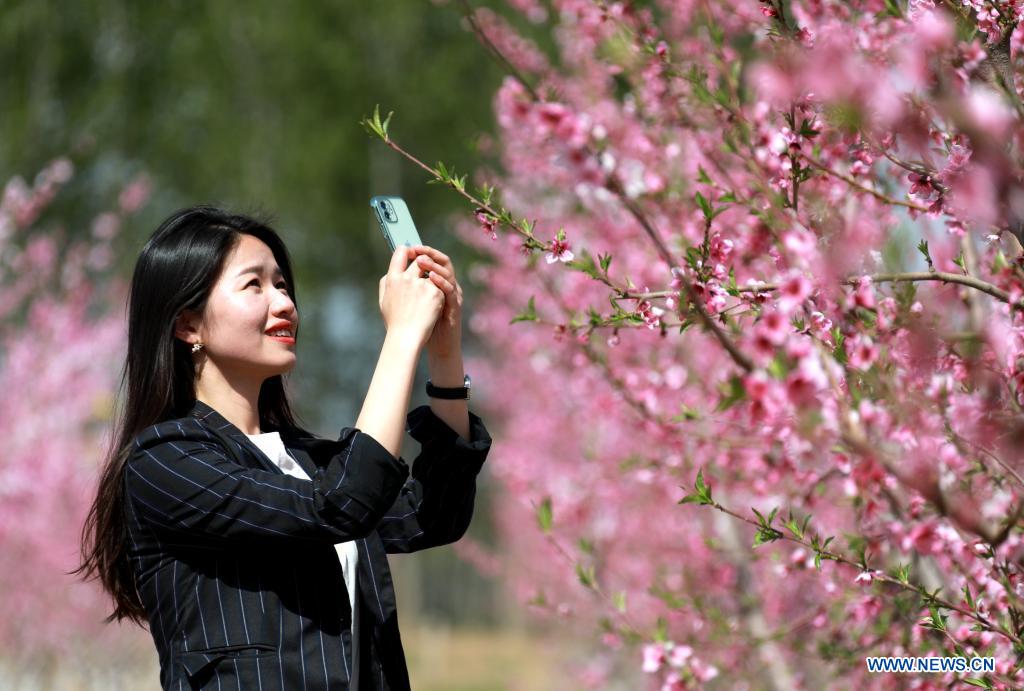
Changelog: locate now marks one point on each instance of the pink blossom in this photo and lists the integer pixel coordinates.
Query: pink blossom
(559, 252)
(679, 654)
(616, 148)
(989, 110)
(654, 657)
(922, 538)
(135, 194)
(862, 352)
(864, 296)
(793, 290)
(487, 222)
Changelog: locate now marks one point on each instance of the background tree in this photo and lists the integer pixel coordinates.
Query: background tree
(763, 392)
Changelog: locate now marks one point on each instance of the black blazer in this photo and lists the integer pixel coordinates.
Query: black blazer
(235, 562)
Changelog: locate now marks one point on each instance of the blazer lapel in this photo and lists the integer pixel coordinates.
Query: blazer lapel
(250, 451)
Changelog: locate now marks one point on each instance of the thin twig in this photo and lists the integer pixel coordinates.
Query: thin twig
(911, 276)
(853, 183)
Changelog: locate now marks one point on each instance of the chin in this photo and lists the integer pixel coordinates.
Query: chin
(285, 369)
(279, 367)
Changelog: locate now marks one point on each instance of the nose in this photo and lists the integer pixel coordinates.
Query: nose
(284, 307)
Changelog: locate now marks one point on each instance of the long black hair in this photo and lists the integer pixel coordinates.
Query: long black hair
(176, 270)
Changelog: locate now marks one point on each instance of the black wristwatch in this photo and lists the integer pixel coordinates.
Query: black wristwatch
(454, 393)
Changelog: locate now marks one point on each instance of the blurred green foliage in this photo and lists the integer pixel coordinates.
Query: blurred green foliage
(252, 105)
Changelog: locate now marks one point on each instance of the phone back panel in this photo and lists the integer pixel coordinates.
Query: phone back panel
(395, 221)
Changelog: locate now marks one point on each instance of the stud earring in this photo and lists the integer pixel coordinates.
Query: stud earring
(196, 347)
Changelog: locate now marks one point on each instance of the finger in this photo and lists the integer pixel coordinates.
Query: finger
(400, 259)
(443, 283)
(414, 269)
(430, 265)
(435, 254)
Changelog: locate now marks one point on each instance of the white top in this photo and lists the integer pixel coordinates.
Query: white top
(271, 445)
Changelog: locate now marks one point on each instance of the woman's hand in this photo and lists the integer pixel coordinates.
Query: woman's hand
(446, 339)
(408, 302)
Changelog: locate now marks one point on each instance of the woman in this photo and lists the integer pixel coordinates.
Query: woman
(254, 550)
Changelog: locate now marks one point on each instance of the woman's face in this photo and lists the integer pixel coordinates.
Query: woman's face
(248, 305)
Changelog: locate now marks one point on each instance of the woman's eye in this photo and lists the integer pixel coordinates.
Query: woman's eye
(284, 285)
(254, 281)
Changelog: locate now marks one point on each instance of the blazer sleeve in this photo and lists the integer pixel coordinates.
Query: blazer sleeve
(180, 478)
(435, 505)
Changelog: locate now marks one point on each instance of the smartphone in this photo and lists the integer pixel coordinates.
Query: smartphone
(395, 222)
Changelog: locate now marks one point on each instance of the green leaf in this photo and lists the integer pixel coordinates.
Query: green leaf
(605, 261)
(584, 262)
(893, 9)
(486, 192)
(702, 175)
(619, 598)
(374, 125)
(806, 130)
(838, 352)
(544, 515)
(586, 575)
(693, 258)
(704, 205)
(731, 287)
(766, 535)
(982, 683)
(529, 315)
(661, 630)
(586, 546)
(732, 395)
(903, 574)
(795, 527)
(699, 484)
(936, 621)
(702, 494)
(967, 596)
(686, 414)
(922, 247)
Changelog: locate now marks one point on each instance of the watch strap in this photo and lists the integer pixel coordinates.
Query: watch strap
(450, 393)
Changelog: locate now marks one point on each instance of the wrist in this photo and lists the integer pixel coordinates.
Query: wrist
(405, 338)
(446, 372)
(450, 359)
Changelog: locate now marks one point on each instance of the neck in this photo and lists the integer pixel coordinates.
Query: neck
(237, 399)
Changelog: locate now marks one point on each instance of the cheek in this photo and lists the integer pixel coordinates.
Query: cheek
(240, 315)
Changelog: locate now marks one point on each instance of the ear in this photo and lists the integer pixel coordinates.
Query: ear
(186, 327)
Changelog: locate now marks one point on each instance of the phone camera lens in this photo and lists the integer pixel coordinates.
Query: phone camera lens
(389, 211)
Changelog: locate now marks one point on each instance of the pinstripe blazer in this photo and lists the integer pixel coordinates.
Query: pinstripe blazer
(235, 561)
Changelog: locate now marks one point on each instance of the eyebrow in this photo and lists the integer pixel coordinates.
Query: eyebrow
(257, 268)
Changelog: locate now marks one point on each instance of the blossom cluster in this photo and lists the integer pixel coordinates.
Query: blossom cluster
(60, 347)
(811, 214)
